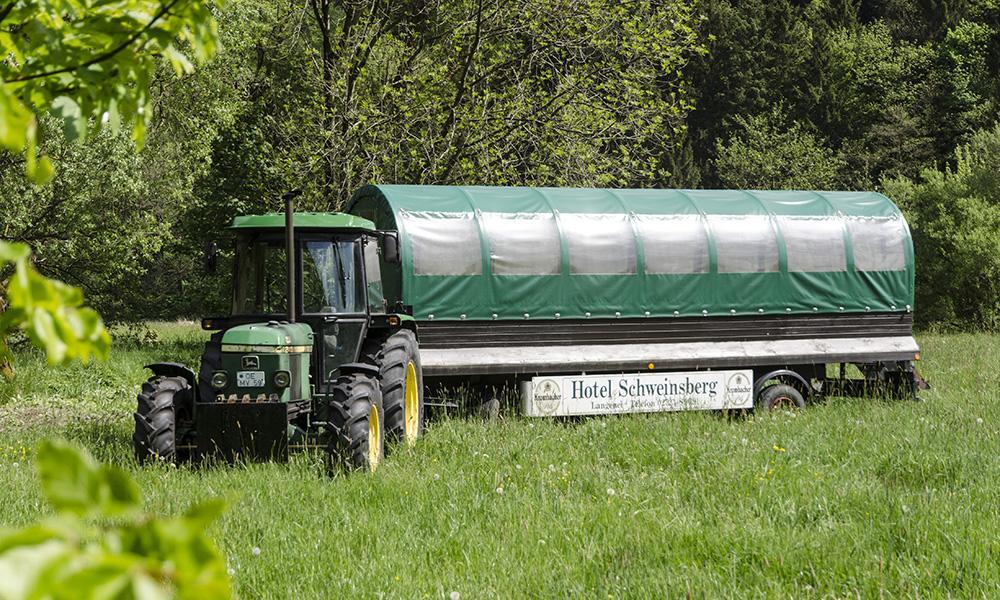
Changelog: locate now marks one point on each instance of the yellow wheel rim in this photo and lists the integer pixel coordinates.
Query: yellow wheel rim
(411, 405)
(374, 439)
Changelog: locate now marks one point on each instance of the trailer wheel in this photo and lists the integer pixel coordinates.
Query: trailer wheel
(357, 423)
(402, 383)
(156, 412)
(780, 396)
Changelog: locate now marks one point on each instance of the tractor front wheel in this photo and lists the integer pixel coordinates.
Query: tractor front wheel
(160, 400)
(402, 384)
(356, 423)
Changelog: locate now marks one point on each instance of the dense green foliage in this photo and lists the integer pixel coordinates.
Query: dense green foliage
(90, 62)
(849, 498)
(955, 218)
(100, 546)
(326, 95)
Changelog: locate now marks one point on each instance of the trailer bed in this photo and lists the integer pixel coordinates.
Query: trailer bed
(594, 358)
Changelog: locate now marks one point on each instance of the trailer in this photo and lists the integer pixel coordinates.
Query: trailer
(594, 301)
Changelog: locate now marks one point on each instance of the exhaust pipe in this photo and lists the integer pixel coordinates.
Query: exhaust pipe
(290, 249)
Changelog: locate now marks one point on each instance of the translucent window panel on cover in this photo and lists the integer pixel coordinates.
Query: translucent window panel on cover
(523, 243)
(879, 243)
(599, 244)
(744, 244)
(673, 244)
(444, 243)
(814, 244)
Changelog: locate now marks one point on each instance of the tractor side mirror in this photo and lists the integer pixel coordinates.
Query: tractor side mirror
(211, 257)
(390, 247)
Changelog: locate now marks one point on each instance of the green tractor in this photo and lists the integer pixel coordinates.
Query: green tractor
(332, 367)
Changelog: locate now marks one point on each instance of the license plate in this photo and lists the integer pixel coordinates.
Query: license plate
(250, 379)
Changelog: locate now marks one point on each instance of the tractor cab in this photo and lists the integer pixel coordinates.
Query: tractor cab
(336, 274)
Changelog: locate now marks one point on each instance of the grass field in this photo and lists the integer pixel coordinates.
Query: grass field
(847, 498)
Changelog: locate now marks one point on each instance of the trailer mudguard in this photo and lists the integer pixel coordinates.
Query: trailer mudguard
(758, 385)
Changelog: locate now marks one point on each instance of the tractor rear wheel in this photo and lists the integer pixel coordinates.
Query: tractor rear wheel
(159, 403)
(356, 430)
(402, 383)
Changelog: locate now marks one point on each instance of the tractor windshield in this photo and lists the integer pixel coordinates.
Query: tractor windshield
(330, 277)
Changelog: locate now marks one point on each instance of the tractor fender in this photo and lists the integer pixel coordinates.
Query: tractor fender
(169, 369)
(781, 373)
(357, 367)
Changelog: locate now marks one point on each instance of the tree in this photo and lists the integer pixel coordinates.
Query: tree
(954, 217)
(765, 153)
(560, 92)
(89, 62)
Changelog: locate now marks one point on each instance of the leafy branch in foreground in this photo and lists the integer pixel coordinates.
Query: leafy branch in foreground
(90, 59)
(99, 545)
(49, 312)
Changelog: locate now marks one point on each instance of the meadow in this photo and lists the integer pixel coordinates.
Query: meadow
(849, 497)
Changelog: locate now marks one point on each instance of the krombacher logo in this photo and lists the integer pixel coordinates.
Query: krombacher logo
(547, 396)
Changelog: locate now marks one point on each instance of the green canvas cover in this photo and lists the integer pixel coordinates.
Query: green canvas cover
(483, 253)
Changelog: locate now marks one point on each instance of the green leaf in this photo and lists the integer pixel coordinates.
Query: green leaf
(43, 332)
(69, 477)
(204, 513)
(145, 587)
(12, 252)
(74, 124)
(180, 63)
(24, 568)
(30, 536)
(14, 121)
(119, 492)
(43, 170)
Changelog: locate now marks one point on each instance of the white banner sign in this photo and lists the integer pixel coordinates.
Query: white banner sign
(567, 395)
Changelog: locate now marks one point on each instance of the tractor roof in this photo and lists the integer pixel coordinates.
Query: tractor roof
(303, 220)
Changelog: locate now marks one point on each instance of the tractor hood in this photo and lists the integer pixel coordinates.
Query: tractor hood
(273, 336)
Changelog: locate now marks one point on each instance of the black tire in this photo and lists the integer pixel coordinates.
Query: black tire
(780, 396)
(355, 402)
(393, 357)
(159, 402)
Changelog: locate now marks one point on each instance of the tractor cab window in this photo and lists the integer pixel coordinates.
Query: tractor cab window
(261, 284)
(331, 277)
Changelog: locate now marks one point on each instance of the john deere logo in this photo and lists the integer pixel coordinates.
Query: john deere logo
(547, 397)
(251, 363)
(738, 389)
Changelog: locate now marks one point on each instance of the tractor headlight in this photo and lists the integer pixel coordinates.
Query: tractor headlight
(219, 379)
(282, 379)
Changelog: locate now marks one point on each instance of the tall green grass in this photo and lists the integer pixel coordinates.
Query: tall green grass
(848, 498)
